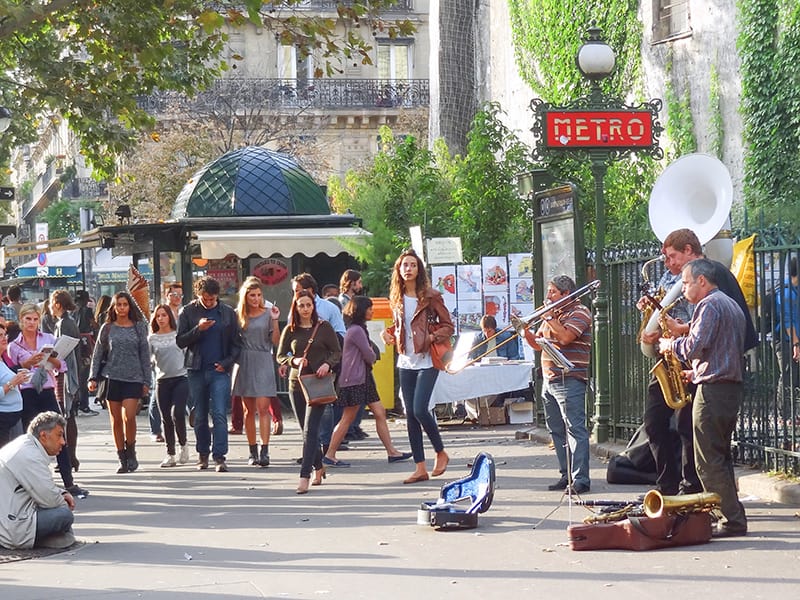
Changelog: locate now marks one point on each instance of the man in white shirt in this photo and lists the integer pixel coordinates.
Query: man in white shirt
(33, 510)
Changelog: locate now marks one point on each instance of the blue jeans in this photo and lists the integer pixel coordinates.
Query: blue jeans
(50, 521)
(417, 386)
(565, 414)
(211, 392)
(154, 414)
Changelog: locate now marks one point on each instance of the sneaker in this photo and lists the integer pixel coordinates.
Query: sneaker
(202, 462)
(221, 467)
(183, 457)
(561, 484)
(77, 491)
(87, 412)
(169, 461)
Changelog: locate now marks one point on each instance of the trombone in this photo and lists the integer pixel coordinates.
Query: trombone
(521, 325)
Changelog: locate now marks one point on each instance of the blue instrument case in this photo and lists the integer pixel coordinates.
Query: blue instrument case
(461, 501)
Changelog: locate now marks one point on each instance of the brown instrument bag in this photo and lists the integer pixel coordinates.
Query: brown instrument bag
(643, 533)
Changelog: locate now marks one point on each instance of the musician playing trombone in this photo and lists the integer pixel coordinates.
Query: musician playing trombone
(679, 248)
(569, 329)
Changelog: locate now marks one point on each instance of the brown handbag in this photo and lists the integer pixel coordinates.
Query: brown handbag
(317, 391)
(441, 351)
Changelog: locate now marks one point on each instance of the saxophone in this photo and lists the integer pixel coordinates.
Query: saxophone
(668, 370)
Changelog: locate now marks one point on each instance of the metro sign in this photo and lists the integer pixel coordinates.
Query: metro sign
(590, 129)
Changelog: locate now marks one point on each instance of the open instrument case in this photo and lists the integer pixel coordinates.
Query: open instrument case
(460, 501)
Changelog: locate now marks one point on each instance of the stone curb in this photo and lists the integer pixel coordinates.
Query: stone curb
(763, 485)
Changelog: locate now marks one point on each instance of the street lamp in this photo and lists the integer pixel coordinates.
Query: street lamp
(596, 60)
(5, 118)
(603, 129)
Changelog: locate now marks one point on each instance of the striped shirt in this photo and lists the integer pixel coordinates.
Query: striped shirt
(715, 342)
(578, 319)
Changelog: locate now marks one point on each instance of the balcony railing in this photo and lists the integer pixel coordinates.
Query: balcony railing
(84, 187)
(332, 5)
(233, 95)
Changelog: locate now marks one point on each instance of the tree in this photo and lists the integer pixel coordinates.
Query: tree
(89, 60)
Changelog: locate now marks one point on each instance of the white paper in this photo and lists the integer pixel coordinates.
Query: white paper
(64, 345)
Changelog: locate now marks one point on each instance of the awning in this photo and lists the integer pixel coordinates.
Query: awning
(286, 242)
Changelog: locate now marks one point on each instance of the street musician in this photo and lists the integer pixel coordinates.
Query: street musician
(679, 248)
(569, 330)
(714, 346)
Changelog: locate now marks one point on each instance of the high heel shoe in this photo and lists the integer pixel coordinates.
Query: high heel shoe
(319, 475)
(302, 487)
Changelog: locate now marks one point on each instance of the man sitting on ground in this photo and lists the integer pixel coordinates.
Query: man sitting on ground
(33, 510)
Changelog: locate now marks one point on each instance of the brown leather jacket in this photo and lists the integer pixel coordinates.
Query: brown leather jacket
(432, 302)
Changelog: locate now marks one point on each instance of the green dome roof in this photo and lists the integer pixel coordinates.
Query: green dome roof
(251, 181)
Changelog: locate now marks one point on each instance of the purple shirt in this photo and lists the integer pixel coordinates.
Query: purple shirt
(715, 343)
(19, 352)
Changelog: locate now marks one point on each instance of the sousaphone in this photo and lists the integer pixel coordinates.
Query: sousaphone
(694, 192)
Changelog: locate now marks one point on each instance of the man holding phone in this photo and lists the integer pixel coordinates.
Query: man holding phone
(209, 330)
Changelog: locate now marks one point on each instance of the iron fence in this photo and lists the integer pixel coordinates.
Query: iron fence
(768, 431)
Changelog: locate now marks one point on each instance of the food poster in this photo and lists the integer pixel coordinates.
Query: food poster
(520, 280)
(443, 279)
(226, 272)
(495, 288)
(468, 294)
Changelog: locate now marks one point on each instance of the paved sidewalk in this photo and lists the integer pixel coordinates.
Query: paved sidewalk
(180, 533)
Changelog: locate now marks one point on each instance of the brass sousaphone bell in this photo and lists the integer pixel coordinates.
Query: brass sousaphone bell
(694, 192)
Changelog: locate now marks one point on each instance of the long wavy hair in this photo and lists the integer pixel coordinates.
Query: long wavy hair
(397, 287)
(250, 283)
(134, 314)
(294, 321)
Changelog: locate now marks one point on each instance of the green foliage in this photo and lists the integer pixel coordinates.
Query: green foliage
(490, 217)
(769, 47)
(63, 217)
(547, 35)
(472, 197)
(680, 124)
(401, 188)
(716, 126)
(89, 60)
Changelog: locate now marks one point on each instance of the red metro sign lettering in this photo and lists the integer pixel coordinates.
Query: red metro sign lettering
(598, 129)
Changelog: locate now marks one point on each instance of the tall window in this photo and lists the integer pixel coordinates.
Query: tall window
(670, 20)
(291, 66)
(394, 61)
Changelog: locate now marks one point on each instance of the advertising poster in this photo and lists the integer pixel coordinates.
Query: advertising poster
(468, 294)
(520, 279)
(443, 279)
(226, 271)
(495, 288)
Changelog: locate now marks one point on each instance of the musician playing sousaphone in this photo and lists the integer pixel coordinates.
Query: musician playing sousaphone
(568, 329)
(679, 248)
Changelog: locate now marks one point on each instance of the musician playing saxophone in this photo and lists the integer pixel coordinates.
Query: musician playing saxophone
(672, 477)
(714, 346)
(570, 330)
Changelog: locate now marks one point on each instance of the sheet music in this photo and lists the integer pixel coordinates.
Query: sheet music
(555, 354)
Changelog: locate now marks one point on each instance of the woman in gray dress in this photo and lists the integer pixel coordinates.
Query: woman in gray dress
(254, 374)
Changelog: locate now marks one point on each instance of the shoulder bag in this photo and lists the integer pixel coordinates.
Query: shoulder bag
(442, 350)
(317, 390)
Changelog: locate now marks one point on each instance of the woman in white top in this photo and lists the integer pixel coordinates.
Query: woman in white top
(172, 386)
(415, 306)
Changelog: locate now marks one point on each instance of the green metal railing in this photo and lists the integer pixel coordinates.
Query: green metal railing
(768, 433)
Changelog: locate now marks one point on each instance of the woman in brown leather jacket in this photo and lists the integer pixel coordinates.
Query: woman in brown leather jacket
(414, 305)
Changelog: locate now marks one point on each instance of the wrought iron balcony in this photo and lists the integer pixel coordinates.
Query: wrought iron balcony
(333, 4)
(84, 187)
(234, 95)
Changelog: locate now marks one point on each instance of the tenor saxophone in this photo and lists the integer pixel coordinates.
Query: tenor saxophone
(668, 370)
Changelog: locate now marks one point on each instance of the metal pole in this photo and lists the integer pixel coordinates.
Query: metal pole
(602, 356)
